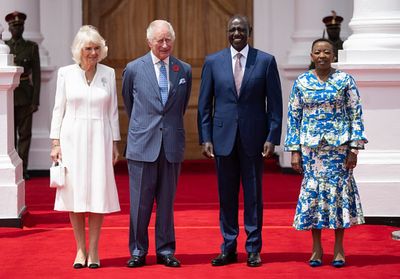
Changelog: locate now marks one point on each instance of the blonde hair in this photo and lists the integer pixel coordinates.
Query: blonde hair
(88, 34)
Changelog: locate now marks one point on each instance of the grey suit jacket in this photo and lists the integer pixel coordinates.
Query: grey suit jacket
(152, 124)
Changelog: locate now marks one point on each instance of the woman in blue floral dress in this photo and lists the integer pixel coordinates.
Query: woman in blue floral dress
(325, 131)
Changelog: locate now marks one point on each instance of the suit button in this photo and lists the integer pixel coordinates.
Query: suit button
(160, 129)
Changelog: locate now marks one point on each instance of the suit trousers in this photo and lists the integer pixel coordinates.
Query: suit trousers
(231, 169)
(149, 181)
(23, 132)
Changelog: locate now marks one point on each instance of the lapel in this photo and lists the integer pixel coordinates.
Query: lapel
(227, 68)
(174, 69)
(251, 61)
(148, 68)
(152, 78)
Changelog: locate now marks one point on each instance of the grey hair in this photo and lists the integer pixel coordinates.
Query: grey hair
(155, 25)
(88, 34)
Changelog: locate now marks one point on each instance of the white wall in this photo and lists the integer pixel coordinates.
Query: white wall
(59, 22)
(273, 27)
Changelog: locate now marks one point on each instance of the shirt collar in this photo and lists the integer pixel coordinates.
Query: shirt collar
(244, 51)
(155, 59)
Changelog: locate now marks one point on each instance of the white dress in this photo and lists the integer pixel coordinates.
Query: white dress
(85, 120)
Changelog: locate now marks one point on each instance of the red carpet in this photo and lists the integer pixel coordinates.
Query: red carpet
(44, 248)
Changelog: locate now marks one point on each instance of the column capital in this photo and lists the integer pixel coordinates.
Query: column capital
(375, 38)
(5, 57)
(10, 76)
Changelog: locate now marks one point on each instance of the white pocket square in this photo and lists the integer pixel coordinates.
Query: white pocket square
(182, 81)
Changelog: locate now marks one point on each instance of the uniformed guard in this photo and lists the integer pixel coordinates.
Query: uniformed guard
(26, 95)
(332, 24)
(332, 28)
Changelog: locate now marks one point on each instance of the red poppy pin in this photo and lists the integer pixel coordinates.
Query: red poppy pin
(175, 68)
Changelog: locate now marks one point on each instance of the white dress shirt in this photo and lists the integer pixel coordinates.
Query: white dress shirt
(243, 59)
(157, 66)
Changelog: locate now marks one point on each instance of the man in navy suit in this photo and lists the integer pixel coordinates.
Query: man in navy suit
(156, 90)
(239, 122)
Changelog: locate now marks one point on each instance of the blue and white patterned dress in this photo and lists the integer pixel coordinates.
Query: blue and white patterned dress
(324, 121)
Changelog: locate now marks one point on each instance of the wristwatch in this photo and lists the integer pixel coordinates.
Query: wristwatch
(353, 150)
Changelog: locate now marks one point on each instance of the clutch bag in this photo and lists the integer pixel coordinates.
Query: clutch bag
(57, 175)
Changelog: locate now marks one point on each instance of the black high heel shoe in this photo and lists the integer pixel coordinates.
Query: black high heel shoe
(94, 265)
(79, 265)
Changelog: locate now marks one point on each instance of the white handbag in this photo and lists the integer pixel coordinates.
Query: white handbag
(57, 175)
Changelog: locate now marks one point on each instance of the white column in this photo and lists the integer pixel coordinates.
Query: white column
(32, 24)
(376, 33)
(12, 186)
(308, 26)
(39, 150)
(372, 56)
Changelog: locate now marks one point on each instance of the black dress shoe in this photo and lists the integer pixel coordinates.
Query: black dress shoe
(136, 261)
(168, 260)
(224, 259)
(253, 260)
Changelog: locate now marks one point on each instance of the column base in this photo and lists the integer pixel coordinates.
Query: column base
(381, 220)
(39, 173)
(17, 222)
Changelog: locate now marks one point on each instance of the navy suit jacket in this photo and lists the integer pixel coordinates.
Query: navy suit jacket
(256, 113)
(152, 124)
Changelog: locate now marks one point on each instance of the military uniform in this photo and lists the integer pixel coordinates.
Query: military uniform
(26, 95)
(332, 24)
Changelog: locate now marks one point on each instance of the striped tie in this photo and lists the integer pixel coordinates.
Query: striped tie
(163, 82)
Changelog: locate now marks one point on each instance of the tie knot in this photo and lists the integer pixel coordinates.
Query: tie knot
(238, 55)
(162, 63)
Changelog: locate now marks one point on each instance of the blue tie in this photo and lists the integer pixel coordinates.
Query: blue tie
(163, 82)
